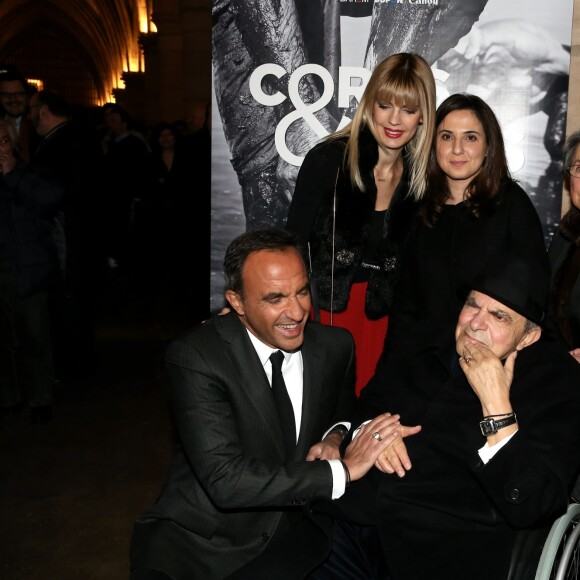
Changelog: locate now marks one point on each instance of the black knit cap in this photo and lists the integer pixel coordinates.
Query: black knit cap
(520, 283)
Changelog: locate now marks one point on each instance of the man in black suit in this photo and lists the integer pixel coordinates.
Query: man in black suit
(126, 184)
(69, 154)
(232, 502)
(498, 449)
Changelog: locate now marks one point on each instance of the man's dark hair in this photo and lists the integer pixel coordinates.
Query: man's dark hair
(55, 102)
(254, 241)
(10, 73)
(114, 108)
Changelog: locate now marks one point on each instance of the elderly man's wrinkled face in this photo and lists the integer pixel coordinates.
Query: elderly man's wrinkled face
(485, 321)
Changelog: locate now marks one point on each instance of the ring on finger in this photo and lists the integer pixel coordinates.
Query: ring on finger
(376, 435)
(468, 360)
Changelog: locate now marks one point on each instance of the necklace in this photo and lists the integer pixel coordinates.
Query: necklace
(389, 173)
(377, 178)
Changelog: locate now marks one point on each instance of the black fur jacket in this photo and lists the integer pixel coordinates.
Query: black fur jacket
(311, 215)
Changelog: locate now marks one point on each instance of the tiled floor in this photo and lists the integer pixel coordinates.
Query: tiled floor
(71, 489)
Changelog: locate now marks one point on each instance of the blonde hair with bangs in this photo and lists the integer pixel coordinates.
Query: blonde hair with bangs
(405, 79)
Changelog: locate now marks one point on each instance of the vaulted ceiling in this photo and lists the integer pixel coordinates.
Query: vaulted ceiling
(101, 36)
(153, 56)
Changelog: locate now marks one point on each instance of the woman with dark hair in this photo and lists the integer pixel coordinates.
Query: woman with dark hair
(355, 198)
(564, 253)
(473, 213)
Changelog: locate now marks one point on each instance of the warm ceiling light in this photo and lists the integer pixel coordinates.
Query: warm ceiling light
(36, 83)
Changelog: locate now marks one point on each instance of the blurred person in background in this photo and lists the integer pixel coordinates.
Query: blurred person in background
(564, 253)
(29, 268)
(14, 94)
(69, 154)
(125, 184)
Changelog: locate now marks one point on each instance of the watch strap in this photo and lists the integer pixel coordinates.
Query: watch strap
(340, 429)
(490, 426)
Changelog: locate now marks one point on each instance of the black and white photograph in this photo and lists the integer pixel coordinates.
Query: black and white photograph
(271, 107)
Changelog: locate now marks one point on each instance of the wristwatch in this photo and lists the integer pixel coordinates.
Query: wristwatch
(340, 429)
(490, 426)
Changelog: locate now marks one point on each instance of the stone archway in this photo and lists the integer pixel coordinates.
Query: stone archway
(154, 57)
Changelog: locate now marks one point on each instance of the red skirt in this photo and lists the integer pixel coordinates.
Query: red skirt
(369, 335)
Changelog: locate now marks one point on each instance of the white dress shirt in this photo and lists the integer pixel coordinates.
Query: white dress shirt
(292, 371)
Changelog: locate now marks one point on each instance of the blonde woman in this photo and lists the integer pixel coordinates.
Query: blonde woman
(355, 196)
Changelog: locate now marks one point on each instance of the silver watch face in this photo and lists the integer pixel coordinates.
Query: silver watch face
(488, 427)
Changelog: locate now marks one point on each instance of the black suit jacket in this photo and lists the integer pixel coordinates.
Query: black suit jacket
(71, 156)
(228, 485)
(559, 249)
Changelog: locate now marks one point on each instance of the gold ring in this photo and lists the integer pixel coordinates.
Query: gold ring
(468, 360)
(376, 435)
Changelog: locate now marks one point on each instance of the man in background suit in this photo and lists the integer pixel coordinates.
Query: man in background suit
(69, 154)
(232, 500)
(14, 93)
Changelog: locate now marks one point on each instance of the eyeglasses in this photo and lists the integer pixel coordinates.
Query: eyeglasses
(574, 170)
(19, 95)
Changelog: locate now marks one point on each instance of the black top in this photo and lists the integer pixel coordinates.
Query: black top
(343, 229)
(439, 263)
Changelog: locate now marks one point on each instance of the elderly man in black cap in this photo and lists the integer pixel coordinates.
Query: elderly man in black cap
(495, 457)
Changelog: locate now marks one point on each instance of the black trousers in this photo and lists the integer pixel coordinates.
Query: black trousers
(149, 575)
(26, 358)
(356, 554)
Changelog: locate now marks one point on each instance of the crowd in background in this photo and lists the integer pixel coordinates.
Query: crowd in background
(130, 208)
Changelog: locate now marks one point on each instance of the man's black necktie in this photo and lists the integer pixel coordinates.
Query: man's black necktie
(283, 403)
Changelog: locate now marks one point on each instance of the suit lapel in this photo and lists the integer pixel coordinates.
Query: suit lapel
(252, 378)
(312, 359)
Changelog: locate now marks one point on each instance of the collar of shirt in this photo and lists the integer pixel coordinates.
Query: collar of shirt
(292, 370)
(48, 135)
(119, 138)
(17, 123)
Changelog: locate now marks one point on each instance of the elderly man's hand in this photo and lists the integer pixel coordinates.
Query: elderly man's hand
(489, 378)
(372, 439)
(395, 459)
